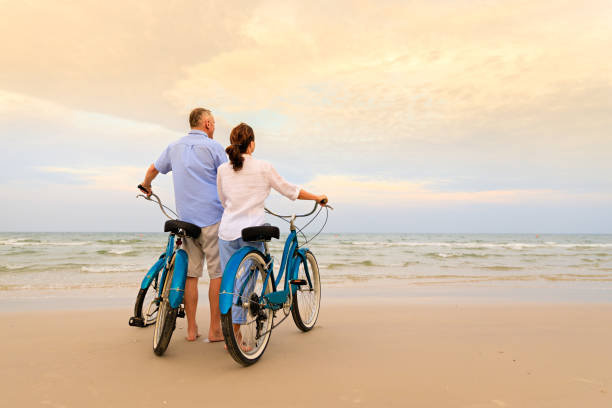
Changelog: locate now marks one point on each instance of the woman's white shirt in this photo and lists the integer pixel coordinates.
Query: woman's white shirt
(244, 192)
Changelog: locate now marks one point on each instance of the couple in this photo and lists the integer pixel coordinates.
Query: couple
(220, 197)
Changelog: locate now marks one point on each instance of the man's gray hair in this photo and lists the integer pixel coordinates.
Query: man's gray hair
(197, 115)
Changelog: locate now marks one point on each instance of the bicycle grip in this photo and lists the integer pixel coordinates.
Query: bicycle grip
(144, 190)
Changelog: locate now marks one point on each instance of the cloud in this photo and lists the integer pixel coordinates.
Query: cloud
(424, 77)
(23, 112)
(113, 178)
(347, 190)
(507, 102)
(40, 132)
(113, 57)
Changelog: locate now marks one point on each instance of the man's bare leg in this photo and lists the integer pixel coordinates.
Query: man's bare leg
(191, 305)
(214, 332)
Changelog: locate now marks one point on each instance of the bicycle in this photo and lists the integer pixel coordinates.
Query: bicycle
(164, 304)
(250, 293)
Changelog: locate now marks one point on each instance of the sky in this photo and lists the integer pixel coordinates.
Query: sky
(412, 116)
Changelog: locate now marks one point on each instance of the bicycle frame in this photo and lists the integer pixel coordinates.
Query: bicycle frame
(292, 257)
(163, 265)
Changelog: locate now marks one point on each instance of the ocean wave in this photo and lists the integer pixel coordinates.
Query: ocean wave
(446, 276)
(366, 263)
(42, 267)
(337, 265)
(119, 241)
(587, 266)
(21, 242)
(456, 255)
(327, 278)
(127, 252)
(501, 268)
(113, 269)
(480, 245)
(22, 252)
(13, 267)
(577, 277)
(426, 279)
(333, 265)
(63, 286)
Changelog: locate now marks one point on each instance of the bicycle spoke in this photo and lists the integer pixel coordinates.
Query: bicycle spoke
(248, 306)
(307, 297)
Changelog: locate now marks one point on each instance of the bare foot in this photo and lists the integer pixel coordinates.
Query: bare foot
(238, 335)
(215, 336)
(192, 338)
(192, 335)
(243, 346)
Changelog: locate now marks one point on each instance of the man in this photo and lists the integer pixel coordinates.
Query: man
(193, 160)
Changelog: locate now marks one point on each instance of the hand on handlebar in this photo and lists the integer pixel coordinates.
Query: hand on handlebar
(324, 202)
(148, 191)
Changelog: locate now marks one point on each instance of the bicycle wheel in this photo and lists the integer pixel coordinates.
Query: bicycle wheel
(166, 318)
(307, 299)
(145, 309)
(248, 324)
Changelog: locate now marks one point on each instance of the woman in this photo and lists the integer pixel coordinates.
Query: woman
(243, 184)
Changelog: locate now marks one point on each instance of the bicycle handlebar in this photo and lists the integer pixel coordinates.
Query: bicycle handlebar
(143, 189)
(323, 202)
(157, 200)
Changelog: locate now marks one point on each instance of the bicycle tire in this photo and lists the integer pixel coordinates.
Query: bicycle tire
(306, 301)
(166, 318)
(143, 305)
(249, 346)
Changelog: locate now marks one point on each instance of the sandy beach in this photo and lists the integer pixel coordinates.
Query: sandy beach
(362, 353)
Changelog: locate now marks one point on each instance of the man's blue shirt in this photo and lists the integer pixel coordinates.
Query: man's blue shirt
(193, 160)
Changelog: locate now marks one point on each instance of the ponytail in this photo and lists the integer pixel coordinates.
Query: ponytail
(235, 156)
(240, 139)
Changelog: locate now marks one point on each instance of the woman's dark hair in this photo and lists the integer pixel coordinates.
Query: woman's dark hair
(240, 139)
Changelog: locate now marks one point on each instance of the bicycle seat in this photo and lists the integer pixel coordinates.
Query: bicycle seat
(191, 230)
(260, 233)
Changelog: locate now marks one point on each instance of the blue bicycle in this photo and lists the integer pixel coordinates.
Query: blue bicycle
(163, 302)
(251, 297)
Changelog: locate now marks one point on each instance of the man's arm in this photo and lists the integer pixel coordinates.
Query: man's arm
(149, 176)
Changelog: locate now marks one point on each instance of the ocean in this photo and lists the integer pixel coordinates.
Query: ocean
(48, 263)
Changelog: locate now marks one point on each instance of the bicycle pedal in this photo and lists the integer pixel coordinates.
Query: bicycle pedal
(298, 282)
(136, 322)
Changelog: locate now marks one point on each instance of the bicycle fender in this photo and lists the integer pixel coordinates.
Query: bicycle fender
(146, 282)
(226, 292)
(302, 255)
(294, 263)
(177, 286)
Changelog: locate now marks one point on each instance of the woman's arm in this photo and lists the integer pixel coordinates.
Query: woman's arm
(289, 190)
(305, 195)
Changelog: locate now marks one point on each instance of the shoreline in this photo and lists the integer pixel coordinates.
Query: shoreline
(560, 293)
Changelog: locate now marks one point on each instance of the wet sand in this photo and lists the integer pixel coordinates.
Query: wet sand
(371, 354)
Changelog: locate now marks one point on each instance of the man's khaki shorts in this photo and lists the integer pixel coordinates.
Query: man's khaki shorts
(206, 247)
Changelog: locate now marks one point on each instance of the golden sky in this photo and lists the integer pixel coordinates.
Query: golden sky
(407, 104)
